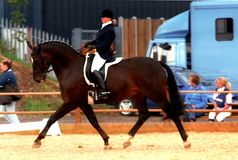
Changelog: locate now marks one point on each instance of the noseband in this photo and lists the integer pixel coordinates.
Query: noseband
(43, 65)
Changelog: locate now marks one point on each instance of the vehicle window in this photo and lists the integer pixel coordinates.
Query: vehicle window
(178, 82)
(224, 29)
(184, 76)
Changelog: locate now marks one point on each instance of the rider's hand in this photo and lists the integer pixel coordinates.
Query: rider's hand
(83, 50)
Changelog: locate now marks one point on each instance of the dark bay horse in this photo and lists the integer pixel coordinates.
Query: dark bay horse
(138, 78)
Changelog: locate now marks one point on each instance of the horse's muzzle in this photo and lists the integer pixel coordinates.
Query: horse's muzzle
(39, 78)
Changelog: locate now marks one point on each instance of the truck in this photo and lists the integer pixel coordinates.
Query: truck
(204, 39)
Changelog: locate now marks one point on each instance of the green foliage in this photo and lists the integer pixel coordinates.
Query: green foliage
(17, 16)
(42, 104)
(4, 48)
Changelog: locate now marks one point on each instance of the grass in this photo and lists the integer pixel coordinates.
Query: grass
(42, 104)
(10, 55)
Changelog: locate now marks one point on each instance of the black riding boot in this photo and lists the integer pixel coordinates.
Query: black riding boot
(102, 94)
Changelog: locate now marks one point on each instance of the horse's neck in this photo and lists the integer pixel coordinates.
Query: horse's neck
(65, 65)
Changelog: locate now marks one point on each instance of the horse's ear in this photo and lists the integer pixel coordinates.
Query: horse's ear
(29, 45)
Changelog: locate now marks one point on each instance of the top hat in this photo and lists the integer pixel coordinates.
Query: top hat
(107, 13)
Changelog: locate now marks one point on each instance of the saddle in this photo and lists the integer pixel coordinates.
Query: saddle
(88, 76)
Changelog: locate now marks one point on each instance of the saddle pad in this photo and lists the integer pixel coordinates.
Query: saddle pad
(107, 65)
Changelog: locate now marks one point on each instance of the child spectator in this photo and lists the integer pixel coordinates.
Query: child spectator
(195, 100)
(222, 101)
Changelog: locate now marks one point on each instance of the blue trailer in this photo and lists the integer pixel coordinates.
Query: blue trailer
(204, 39)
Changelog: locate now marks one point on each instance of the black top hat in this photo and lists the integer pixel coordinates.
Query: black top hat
(107, 13)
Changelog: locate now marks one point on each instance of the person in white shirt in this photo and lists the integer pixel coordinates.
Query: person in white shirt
(222, 101)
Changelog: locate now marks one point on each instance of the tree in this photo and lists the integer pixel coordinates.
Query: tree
(17, 16)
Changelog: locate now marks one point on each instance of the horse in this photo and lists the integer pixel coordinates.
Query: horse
(137, 78)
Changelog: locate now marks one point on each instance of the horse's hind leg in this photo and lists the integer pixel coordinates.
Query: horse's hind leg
(144, 114)
(182, 131)
(88, 111)
(62, 111)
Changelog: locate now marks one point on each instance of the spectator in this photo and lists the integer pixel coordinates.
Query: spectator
(222, 101)
(8, 103)
(195, 100)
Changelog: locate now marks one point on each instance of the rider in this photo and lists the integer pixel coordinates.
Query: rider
(103, 41)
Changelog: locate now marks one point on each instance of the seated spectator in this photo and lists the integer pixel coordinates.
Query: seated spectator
(8, 103)
(222, 101)
(195, 100)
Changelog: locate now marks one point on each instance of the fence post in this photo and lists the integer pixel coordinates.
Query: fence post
(121, 28)
(9, 32)
(39, 37)
(135, 37)
(118, 41)
(35, 36)
(76, 38)
(47, 36)
(1, 28)
(149, 29)
(55, 37)
(51, 37)
(43, 36)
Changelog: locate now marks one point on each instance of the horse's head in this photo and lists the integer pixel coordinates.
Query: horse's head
(40, 64)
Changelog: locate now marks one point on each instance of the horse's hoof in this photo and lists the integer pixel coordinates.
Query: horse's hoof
(187, 145)
(36, 145)
(126, 144)
(107, 147)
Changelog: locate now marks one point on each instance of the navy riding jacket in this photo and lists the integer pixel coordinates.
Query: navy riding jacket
(7, 76)
(103, 42)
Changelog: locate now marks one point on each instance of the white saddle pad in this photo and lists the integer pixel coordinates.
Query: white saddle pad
(107, 65)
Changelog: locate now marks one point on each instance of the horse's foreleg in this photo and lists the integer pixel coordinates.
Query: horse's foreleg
(143, 116)
(62, 111)
(182, 132)
(88, 111)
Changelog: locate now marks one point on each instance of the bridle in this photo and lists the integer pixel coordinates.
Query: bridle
(43, 66)
(41, 70)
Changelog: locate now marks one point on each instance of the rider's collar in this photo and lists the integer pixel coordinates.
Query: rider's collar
(105, 24)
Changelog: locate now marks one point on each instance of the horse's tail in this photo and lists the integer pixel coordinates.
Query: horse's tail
(177, 107)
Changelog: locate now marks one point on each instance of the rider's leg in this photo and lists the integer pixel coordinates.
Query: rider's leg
(99, 78)
(98, 62)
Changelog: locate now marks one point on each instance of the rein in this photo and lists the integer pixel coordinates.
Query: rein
(49, 71)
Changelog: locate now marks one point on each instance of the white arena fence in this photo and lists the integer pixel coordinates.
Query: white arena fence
(16, 36)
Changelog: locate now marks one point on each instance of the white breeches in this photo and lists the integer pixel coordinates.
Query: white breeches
(98, 62)
(219, 116)
(11, 118)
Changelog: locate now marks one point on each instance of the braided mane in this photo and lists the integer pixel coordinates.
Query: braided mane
(59, 44)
